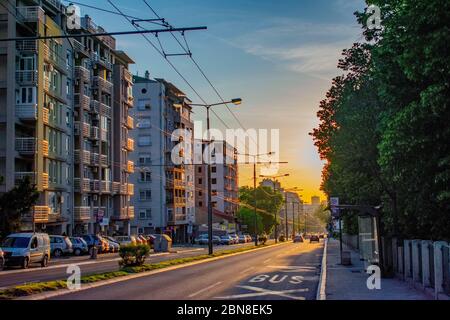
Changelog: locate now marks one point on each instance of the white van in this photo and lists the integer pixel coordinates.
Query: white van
(21, 249)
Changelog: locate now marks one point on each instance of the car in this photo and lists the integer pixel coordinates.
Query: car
(25, 248)
(114, 246)
(79, 246)
(93, 241)
(298, 238)
(314, 238)
(243, 239)
(2, 260)
(60, 246)
(203, 239)
(143, 239)
(235, 238)
(125, 240)
(249, 238)
(226, 240)
(105, 245)
(321, 236)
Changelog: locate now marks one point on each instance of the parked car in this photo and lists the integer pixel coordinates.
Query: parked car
(321, 236)
(235, 238)
(60, 246)
(314, 238)
(94, 241)
(143, 239)
(249, 238)
(298, 238)
(203, 239)
(243, 239)
(114, 246)
(2, 260)
(125, 240)
(25, 248)
(226, 240)
(79, 246)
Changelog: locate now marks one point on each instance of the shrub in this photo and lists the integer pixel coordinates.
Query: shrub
(134, 255)
(262, 239)
(282, 238)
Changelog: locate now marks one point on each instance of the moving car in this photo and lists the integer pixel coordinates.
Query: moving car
(226, 240)
(314, 238)
(93, 241)
(298, 238)
(60, 245)
(125, 240)
(24, 248)
(79, 246)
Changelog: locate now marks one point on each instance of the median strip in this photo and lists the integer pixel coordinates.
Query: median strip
(26, 290)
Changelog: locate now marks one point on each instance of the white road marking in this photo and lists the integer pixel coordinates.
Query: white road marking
(247, 270)
(294, 268)
(267, 261)
(204, 289)
(258, 292)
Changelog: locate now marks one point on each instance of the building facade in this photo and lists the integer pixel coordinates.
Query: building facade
(64, 102)
(164, 200)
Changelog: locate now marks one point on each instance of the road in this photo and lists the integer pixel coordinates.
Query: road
(108, 262)
(288, 271)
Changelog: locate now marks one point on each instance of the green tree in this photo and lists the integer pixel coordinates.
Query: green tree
(15, 203)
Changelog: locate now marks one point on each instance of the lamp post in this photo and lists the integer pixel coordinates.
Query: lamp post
(273, 179)
(295, 189)
(236, 101)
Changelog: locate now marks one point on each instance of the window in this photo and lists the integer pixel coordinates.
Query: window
(214, 181)
(200, 204)
(145, 214)
(144, 141)
(199, 169)
(143, 123)
(214, 192)
(144, 104)
(145, 195)
(145, 159)
(145, 176)
(200, 181)
(214, 169)
(26, 96)
(200, 193)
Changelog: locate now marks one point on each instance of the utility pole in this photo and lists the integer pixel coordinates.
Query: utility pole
(286, 215)
(293, 218)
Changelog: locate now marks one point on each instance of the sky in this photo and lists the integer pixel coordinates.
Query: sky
(278, 56)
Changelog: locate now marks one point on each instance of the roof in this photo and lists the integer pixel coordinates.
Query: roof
(124, 57)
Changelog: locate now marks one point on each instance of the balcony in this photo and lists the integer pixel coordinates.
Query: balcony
(82, 101)
(101, 61)
(130, 167)
(127, 76)
(129, 123)
(103, 84)
(130, 189)
(105, 110)
(82, 185)
(54, 58)
(105, 186)
(26, 146)
(26, 112)
(82, 128)
(95, 186)
(27, 77)
(47, 84)
(116, 187)
(82, 214)
(126, 213)
(45, 116)
(82, 74)
(41, 214)
(95, 159)
(80, 48)
(130, 144)
(45, 148)
(83, 157)
(30, 14)
(27, 46)
(103, 160)
(45, 180)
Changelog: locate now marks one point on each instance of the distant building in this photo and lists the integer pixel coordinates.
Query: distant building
(274, 184)
(315, 200)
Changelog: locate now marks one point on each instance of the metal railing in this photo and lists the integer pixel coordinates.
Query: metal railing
(82, 101)
(82, 214)
(82, 73)
(27, 46)
(27, 111)
(30, 14)
(27, 77)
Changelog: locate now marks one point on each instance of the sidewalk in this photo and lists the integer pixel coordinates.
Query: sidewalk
(349, 282)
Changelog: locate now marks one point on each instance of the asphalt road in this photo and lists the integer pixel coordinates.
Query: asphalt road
(288, 271)
(57, 269)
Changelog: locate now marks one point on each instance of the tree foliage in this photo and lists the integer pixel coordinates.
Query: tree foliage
(384, 129)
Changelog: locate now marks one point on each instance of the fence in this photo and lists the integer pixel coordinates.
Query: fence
(422, 263)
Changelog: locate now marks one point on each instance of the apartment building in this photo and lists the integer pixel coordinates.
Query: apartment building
(102, 99)
(224, 186)
(64, 105)
(36, 110)
(164, 200)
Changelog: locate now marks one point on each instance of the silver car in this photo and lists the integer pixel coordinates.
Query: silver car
(60, 245)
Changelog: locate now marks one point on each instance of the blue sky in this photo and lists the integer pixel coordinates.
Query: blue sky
(279, 56)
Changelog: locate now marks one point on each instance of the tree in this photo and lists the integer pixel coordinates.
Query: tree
(268, 203)
(14, 204)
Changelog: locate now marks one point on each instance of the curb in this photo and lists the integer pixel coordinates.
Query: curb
(61, 292)
(321, 294)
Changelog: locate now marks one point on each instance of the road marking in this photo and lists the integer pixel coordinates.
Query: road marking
(258, 292)
(204, 289)
(267, 261)
(294, 268)
(247, 270)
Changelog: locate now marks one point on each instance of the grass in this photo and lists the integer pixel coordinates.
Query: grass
(40, 287)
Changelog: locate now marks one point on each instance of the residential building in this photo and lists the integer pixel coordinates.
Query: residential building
(315, 200)
(164, 200)
(224, 187)
(36, 110)
(64, 102)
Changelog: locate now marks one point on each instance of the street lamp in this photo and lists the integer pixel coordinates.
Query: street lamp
(286, 209)
(236, 101)
(273, 178)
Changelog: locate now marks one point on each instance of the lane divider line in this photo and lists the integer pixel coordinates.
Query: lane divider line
(205, 289)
